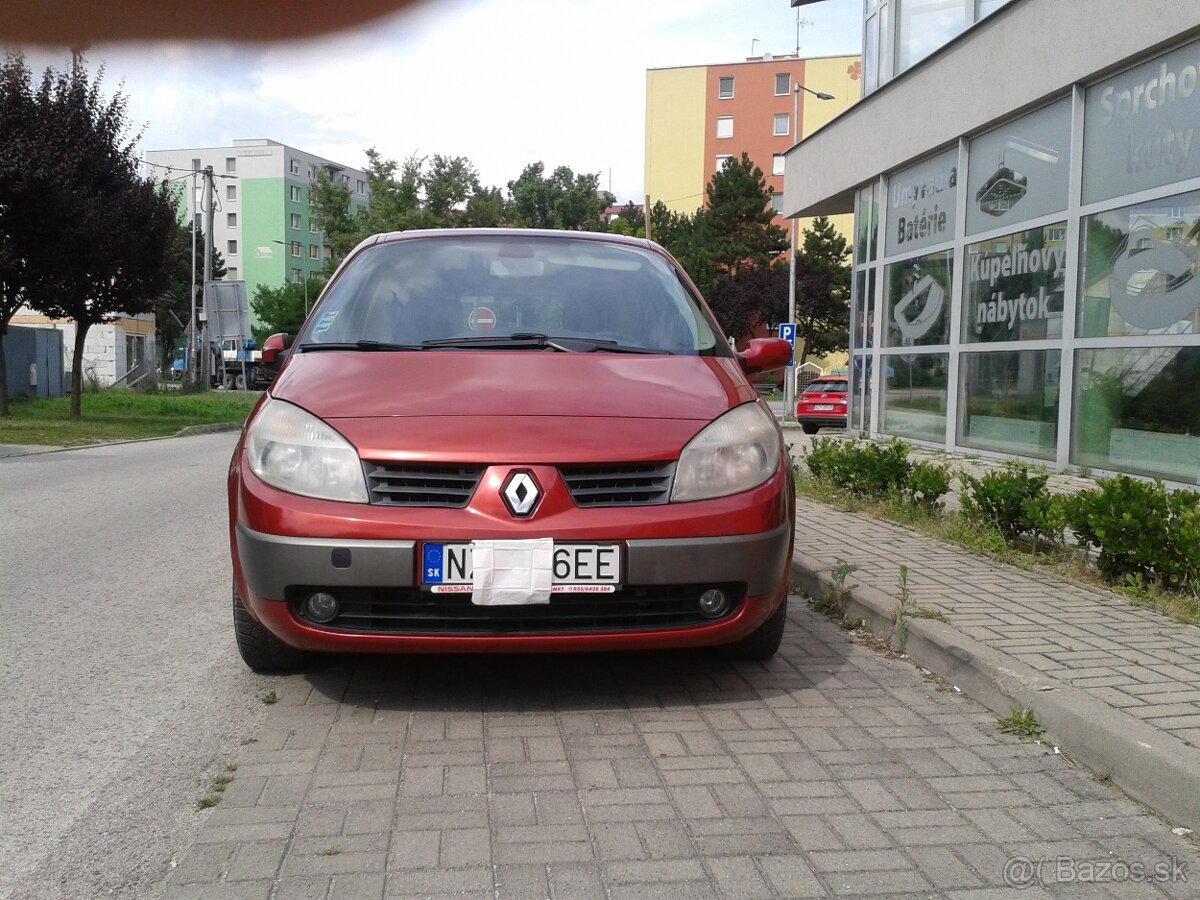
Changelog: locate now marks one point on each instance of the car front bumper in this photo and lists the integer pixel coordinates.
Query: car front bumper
(286, 547)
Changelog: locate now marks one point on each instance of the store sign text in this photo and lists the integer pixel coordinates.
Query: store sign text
(928, 221)
(1165, 147)
(1019, 261)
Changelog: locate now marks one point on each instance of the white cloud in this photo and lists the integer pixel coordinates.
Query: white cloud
(501, 83)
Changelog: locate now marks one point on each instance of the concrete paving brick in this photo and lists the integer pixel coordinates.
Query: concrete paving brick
(790, 877)
(426, 882)
(738, 878)
(521, 881)
(941, 867)
(306, 887)
(357, 886)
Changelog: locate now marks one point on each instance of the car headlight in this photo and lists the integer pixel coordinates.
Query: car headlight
(297, 452)
(738, 451)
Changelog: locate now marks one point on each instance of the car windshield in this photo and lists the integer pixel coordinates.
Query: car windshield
(828, 387)
(510, 292)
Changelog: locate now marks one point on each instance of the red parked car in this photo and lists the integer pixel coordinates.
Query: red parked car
(823, 404)
(493, 440)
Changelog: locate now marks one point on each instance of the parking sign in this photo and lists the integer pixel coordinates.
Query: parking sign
(787, 332)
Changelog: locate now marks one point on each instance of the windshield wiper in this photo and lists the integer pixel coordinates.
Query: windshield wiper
(537, 341)
(517, 340)
(357, 345)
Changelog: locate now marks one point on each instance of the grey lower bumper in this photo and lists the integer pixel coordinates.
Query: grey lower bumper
(271, 563)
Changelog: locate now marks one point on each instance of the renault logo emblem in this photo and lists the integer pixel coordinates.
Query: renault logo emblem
(521, 494)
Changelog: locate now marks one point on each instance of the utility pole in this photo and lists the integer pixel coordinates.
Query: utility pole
(192, 357)
(209, 213)
(789, 374)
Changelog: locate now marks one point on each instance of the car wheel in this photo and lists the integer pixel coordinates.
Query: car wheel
(810, 429)
(261, 650)
(763, 642)
(239, 382)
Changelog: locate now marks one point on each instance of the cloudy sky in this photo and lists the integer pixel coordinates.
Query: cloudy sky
(502, 82)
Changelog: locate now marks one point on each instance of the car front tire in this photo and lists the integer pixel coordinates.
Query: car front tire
(762, 643)
(261, 650)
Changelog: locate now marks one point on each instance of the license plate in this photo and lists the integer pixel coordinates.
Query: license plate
(578, 568)
(823, 407)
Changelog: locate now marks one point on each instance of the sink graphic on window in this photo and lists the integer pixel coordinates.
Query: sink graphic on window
(1153, 282)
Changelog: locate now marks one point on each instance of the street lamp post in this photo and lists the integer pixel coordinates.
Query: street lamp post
(789, 387)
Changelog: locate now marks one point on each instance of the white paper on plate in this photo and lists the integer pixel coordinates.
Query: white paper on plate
(512, 573)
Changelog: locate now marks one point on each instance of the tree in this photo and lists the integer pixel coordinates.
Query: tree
(823, 290)
(283, 308)
(104, 232)
(738, 219)
(19, 177)
(331, 211)
(450, 182)
(751, 298)
(562, 200)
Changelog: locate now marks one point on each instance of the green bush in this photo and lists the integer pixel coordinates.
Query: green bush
(1142, 532)
(868, 470)
(1005, 499)
(927, 483)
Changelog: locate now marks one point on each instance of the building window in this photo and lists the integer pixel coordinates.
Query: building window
(914, 395)
(295, 167)
(231, 220)
(777, 201)
(725, 127)
(1014, 288)
(312, 225)
(231, 164)
(725, 88)
(294, 193)
(918, 301)
(783, 125)
(783, 84)
(362, 186)
(1137, 280)
(346, 180)
(312, 251)
(295, 248)
(231, 248)
(231, 192)
(777, 164)
(297, 276)
(722, 159)
(231, 273)
(295, 220)
(1132, 411)
(926, 25)
(312, 173)
(1009, 402)
(196, 165)
(1056, 234)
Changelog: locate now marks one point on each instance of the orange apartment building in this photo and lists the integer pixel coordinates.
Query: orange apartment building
(696, 116)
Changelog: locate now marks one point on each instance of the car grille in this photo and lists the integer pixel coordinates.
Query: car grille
(414, 611)
(422, 484)
(631, 484)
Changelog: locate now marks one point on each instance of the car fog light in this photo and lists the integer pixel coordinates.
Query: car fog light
(713, 603)
(321, 607)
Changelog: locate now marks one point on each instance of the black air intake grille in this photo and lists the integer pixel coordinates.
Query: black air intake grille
(625, 484)
(422, 484)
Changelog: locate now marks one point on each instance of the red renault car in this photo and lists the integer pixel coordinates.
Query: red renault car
(502, 440)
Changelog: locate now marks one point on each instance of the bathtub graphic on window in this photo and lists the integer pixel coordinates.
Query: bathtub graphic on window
(1154, 281)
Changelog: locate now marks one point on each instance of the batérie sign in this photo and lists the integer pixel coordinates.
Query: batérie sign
(926, 222)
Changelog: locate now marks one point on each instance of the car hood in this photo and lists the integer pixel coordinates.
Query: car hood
(461, 404)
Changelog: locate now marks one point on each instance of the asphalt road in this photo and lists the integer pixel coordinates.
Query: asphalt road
(122, 691)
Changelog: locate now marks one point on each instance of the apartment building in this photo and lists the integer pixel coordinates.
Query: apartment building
(698, 116)
(1026, 194)
(263, 221)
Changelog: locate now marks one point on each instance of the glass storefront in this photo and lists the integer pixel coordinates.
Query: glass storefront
(914, 395)
(1009, 402)
(1038, 284)
(1136, 411)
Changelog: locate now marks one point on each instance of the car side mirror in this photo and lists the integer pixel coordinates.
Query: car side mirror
(275, 348)
(765, 355)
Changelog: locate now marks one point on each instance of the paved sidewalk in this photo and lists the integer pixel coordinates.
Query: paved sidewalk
(832, 771)
(1117, 686)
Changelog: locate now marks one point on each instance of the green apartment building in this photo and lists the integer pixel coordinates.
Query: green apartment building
(263, 222)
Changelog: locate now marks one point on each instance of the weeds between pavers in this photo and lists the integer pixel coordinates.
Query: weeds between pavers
(216, 788)
(1022, 723)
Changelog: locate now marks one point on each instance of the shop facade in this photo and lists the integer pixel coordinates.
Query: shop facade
(1029, 285)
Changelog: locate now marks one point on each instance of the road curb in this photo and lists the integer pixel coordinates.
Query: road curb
(208, 429)
(1151, 766)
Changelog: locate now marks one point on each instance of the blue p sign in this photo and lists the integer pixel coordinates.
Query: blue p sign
(787, 332)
